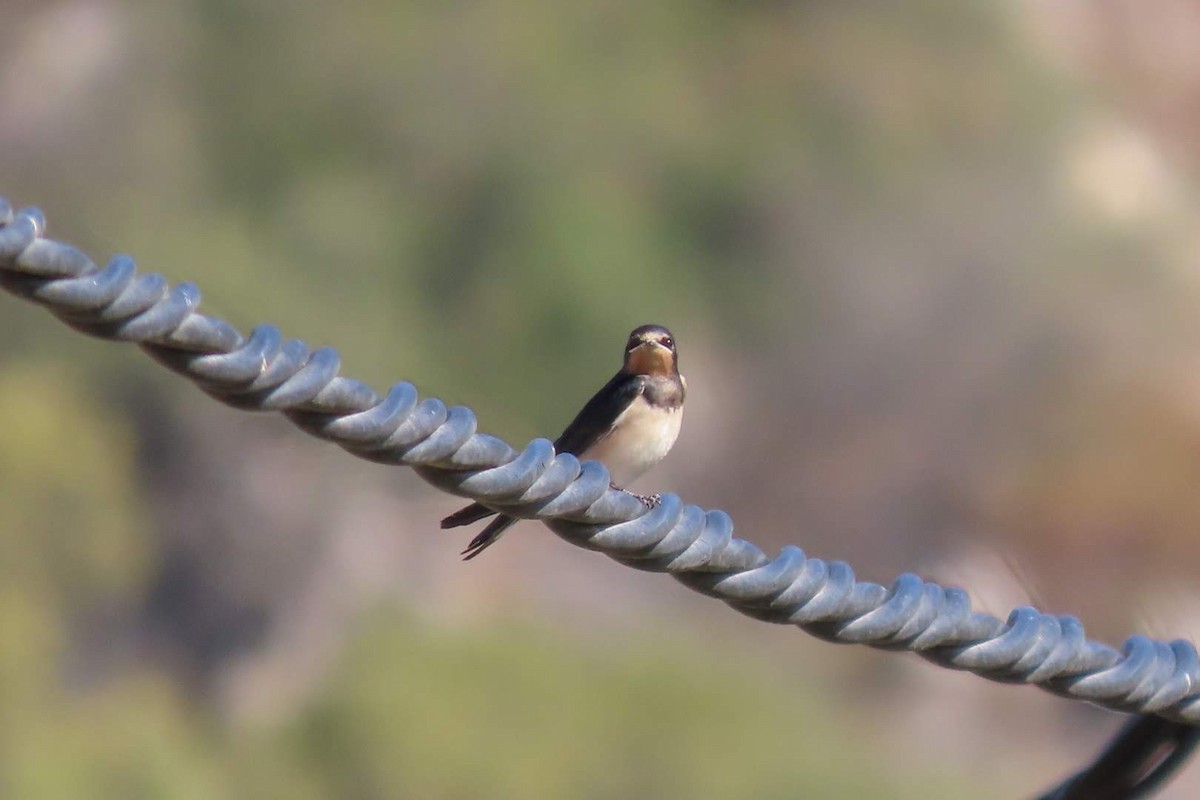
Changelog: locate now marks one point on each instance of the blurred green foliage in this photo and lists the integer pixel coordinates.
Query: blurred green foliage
(490, 179)
(415, 712)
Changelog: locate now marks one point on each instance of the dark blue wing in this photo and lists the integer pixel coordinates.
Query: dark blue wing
(593, 423)
(596, 419)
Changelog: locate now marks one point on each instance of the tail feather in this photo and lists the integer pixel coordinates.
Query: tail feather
(488, 536)
(467, 515)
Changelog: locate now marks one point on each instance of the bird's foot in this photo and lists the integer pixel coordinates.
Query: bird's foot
(649, 500)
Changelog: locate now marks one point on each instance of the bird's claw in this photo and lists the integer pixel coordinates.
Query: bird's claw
(649, 500)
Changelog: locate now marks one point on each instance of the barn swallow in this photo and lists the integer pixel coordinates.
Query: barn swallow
(629, 425)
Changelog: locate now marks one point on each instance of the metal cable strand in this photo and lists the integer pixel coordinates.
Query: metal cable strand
(265, 371)
(1145, 753)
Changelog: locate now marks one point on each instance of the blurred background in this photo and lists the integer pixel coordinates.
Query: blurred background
(934, 269)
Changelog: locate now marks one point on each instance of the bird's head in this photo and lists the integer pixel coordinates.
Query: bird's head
(651, 351)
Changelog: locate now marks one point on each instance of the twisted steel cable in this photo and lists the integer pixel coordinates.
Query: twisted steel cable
(265, 371)
(1139, 761)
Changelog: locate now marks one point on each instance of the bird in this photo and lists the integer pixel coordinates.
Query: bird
(629, 426)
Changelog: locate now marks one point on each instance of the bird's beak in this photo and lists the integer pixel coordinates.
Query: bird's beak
(651, 343)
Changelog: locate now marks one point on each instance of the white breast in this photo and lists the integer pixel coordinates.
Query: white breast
(640, 438)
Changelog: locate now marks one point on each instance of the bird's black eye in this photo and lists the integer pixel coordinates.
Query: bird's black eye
(668, 341)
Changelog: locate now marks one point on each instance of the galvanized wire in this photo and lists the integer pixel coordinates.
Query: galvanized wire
(268, 372)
